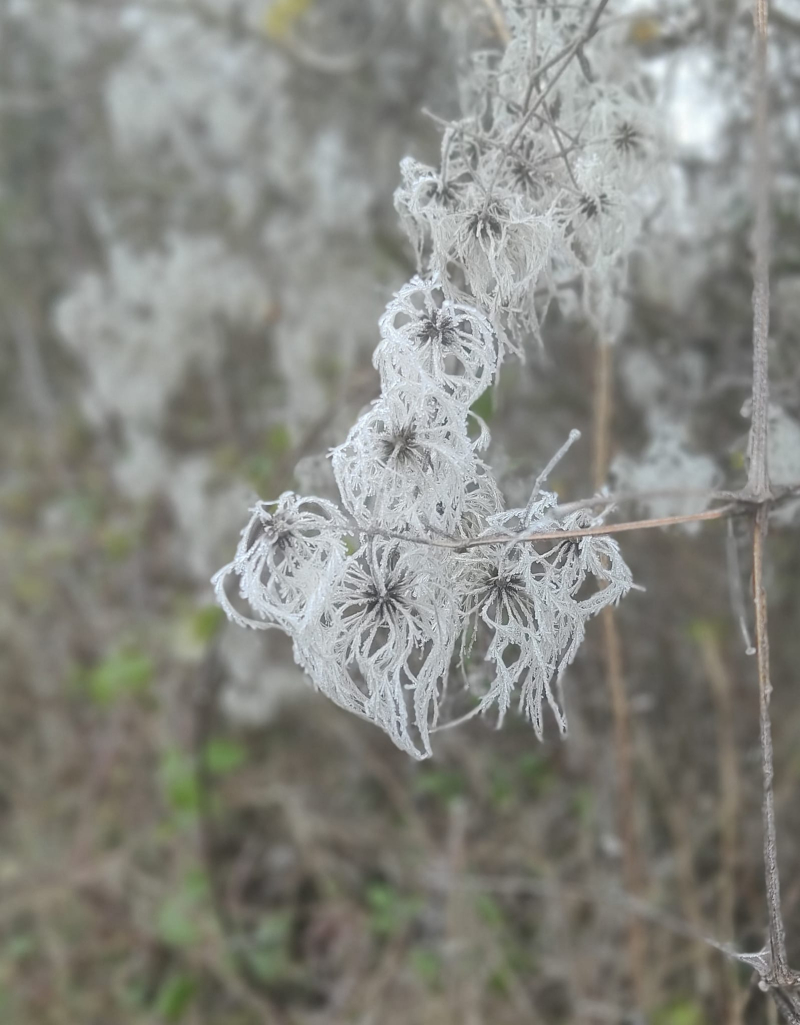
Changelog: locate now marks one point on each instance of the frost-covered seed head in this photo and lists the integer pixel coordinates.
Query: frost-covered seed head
(627, 138)
(592, 206)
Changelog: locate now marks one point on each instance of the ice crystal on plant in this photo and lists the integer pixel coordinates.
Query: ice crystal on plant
(529, 173)
(409, 449)
(389, 626)
(528, 599)
(436, 342)
(285, 552)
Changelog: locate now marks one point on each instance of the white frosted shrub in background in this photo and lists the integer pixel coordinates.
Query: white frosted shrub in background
(151, 317)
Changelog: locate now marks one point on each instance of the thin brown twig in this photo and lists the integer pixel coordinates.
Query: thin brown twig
(567, 55)
(457, 544)
(498, 21)
(620, 706)
(671, 805)
(730, 796)
(623, 753)
(602, 413)
(568, 51)
(616, 498)
(203, 724)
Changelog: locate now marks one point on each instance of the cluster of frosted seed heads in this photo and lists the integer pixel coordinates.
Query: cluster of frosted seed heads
(384, 595)
(378, 607)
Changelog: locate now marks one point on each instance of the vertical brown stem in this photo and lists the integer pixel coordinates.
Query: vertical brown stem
(602, 413)
(626, 795)
(615, 680)
(777, 932)
(758, 478)
(730, 791)
(758, 487)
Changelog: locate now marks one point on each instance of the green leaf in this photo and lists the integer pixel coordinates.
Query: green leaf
(681, 1012)
(583, 803)
(484, 405)
(206, 622)
(174, 996)
(444, 784)
(224, 756)
(279, 440)
(268, 951)
(19, 947)
(490, 911)
(502, 789)
(500, 981)
(120, 674)
(390, 912)
(179, 916)
(536, 773)
(178, 781)
(261, 466)
(428, 966)
(117, 543)
(176, 924)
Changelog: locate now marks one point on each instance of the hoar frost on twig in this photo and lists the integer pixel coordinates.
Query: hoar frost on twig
(542, 183)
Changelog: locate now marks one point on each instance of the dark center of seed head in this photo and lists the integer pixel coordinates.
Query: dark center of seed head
(437, 327)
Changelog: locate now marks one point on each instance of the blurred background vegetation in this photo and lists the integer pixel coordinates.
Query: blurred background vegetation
(197, 239)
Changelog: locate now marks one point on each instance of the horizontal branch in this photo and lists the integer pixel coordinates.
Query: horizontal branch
(738, 503)
(462, 545)
(779, 494)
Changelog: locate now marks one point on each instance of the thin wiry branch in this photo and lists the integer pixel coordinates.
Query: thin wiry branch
(558, 535)
(568, 52)
(616, 498)
(498, 21)
(735, 587)
(567, 55)
(758, 475)
(615, 681)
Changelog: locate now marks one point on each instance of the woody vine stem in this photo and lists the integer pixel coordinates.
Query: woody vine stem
(778, 972)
